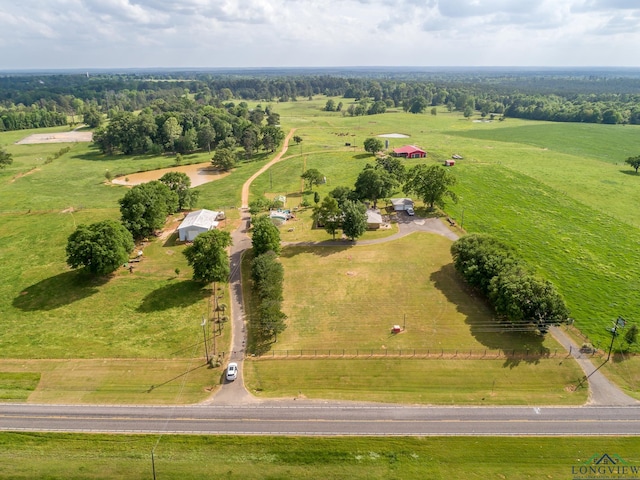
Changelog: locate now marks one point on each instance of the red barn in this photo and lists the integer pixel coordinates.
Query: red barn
(409, 151)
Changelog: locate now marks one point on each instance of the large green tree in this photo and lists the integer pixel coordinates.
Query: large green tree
(328, 215)
(180, 183)
(206, 137)
(171, 131)
(267, 274)
(224, 159)
(208, 256)
(393, 166)
(634, 162)
(431, 183)
(265, 235)
(100, 247)
(312, 177)
(373, 145)
(5, 158)
(354, 219)
(145, 207)
(272, 136)
(373, 184)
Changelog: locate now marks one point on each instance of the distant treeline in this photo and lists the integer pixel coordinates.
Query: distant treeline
(594, 97)
(32, 117)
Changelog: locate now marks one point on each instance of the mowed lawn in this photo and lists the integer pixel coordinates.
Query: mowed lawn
(350, 298)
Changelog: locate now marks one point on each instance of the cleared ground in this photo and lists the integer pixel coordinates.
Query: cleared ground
(57, 137)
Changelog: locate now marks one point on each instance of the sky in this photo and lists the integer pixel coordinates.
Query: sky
(63, 34)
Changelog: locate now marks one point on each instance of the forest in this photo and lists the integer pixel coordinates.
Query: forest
(31, 100)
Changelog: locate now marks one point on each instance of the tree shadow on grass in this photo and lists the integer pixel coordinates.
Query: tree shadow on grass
(321, 249)
(515, 346)
(174, 295)
(58, 291)
(633, 173)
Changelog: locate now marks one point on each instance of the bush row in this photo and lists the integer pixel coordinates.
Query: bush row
(518, 296)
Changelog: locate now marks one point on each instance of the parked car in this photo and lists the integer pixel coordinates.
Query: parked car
(410, 211)
(232, 371)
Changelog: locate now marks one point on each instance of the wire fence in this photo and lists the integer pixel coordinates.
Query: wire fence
(436, 353)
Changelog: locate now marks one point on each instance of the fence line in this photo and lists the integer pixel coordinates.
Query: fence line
(435, 353)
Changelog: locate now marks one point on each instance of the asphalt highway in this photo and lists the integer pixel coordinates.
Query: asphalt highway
(317, 418)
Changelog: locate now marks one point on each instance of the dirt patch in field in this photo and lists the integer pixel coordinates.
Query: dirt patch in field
(394, 135)
(20, 175)
(198, 173)
(60, 137)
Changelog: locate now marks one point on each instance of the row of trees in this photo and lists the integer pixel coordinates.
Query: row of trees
(267, 275)
(185, 131)
(596, 97)
(20, 118)
(520, 298)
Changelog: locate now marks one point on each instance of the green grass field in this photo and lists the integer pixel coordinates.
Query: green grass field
(559, 193)
(72, 456)
(511, 381)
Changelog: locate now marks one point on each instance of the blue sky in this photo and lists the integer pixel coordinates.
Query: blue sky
(296, 33)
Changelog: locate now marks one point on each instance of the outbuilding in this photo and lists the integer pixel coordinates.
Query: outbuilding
(401, 204)
(374, 219)
(198, 222)
(409, 151)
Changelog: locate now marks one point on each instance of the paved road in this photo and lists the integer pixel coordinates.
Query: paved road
(319, 418)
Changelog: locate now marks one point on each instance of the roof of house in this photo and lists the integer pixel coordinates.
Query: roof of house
(200, 218)
(408, 149)
(401, 201)
(373, 216)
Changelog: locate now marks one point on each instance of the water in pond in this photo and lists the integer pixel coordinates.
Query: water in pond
(198, 173)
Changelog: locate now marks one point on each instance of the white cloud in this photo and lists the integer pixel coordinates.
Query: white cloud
(130, 33)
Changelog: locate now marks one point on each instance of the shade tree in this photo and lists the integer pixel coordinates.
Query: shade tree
(99, 247)
(180, 183)
(354, 219)
(312, 177)
(431, 183)
(145, 208)
(208, 256)
(265, 235)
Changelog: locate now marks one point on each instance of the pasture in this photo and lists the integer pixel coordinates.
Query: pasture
(73, 456)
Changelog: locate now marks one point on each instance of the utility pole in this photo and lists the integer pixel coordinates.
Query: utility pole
(620, 322)
(204, 332)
